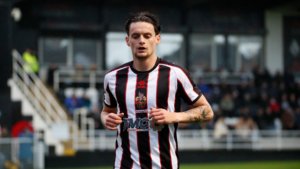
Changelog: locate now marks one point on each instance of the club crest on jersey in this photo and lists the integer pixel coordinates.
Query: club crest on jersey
(141, 101)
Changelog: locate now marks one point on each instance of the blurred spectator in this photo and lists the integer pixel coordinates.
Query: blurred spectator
(278, 78)
(273, 90)
(288, 78)
(221, 130)
(288, 119)
(31, 62)
(268, 119)
(245, 126)
(263, 100)
(284, 102)
(245, 103)
(274, 107)
(216, 92)
(26, 148)
(261, 75)
(84, 101)
(71, 102)
(293, 101)
(4, 132)
(227, 105)
(205, 88)
(258, 118)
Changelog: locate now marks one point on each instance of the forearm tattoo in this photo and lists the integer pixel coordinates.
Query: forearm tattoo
(197, 115)
(204, 114)
(193, 116)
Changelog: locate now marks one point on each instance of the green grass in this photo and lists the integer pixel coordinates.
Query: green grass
(247, 165)
(236, 165)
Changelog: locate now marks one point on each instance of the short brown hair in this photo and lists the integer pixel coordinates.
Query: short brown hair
(143, 17)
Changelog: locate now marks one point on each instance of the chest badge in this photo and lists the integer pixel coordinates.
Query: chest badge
(140, 101)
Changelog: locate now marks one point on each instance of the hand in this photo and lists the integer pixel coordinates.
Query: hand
(162, 116)
(112, 120)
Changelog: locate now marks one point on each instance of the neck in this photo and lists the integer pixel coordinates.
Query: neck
(144, 64)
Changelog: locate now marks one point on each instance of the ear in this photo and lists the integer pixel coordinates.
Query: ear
(127, 40)
(157, 38)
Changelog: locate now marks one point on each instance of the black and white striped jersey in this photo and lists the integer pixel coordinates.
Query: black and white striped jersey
(140, 143)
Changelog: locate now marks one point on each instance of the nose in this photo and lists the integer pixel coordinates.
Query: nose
(141, 40)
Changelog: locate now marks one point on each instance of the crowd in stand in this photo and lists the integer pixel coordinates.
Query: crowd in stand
(262, 101)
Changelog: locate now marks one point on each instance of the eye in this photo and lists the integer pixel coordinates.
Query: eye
(135, 36)
(147, 35)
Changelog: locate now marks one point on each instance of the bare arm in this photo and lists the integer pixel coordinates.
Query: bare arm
(200, 111)
(110, 119)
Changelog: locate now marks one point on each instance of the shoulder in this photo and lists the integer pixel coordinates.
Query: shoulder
(111, 74)
(174, 67)
(114, 70)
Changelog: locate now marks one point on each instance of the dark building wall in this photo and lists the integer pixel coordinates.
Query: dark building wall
(5, 45)
(5, 63)
(25, 38)
(12, 36)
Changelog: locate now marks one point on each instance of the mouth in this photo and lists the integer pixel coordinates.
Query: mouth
(142, 48)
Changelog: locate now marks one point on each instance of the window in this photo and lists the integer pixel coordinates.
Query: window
(85, 52)
(247, 51)
(55, 50)
(204, 51)
(171, 48)
(70, 51)
(117, 51)
(230, 52)
(292, 44)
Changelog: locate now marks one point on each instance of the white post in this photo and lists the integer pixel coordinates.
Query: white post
(39, 152)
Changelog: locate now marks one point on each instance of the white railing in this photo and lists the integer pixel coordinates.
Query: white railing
(37, 93)
(83, 131)
(90, 139)
(204, 140)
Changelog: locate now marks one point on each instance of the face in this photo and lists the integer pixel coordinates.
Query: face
(142, 40)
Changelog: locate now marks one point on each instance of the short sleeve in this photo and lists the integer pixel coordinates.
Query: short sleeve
(109, 99)
(187, 89)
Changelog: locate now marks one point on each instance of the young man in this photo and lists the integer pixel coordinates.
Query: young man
(142, 101)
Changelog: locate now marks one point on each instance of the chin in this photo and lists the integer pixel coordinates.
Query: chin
(144, 56)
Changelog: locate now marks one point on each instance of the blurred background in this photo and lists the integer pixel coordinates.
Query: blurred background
(243, 55)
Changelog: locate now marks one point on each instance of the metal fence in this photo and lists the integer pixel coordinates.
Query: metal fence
(22, 153)
(204, 140)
